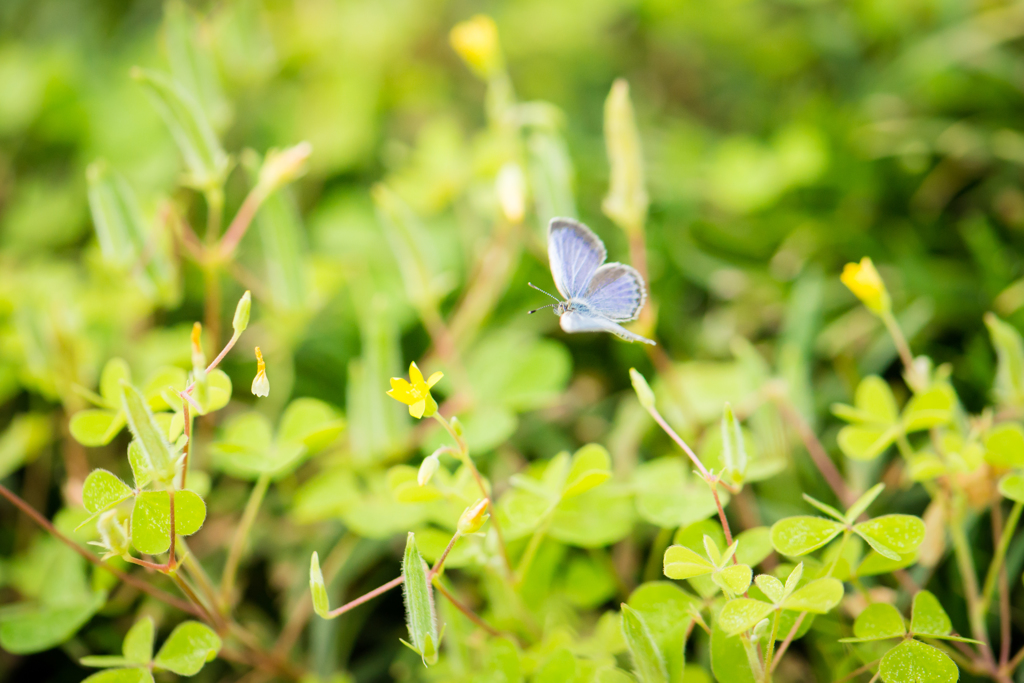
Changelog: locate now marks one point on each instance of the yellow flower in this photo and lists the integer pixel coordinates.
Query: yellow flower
(260, 383)
(865, 282)
(476, 41)
(415, 393)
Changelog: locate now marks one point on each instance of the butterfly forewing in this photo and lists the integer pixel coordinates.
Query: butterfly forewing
(616, 292)
(575, 254)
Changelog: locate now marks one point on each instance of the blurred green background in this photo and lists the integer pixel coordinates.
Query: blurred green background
(781, 138)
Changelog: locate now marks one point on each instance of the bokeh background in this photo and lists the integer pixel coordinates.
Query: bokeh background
(782, 138)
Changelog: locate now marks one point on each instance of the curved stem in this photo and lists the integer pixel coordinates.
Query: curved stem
(252, 508)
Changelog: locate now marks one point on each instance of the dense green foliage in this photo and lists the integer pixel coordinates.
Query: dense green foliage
(352, 186)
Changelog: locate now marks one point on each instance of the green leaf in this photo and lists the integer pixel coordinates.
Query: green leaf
(114, 372)
(23, 439)
(795, 536)
(665, 608)
(668, 496)
(151, 519)
(599, 517)
(647, 659)
(874, 398)
(419, 603)
(927, 616)
(914, 662)
(793, 580)
(1009, 383)
(151, 439)
(643, 390)
(591, 466)
(190, 645)
(863, 503)
(102, 489)
(206, 160)
(827, 509)
(930, 409)
(878, 621)
(682, 563)
(734, 450)
(1012, 487)
(218, 391)
(312, 423)
(712, 551)
(321, 604)
(1004, 445)
(94, 428)
(741, 614)
(818, 596)
(771, 587)
(754, 545)
(104, 661)
(728, 659)
(27, 629)
(734, 578)
(138, 642)
(134, 675)
(142, 470)
(865, 442)
(892, 535)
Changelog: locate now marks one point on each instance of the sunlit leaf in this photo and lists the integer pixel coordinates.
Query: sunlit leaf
(892, 535)
(878, 621)
(818, 596)
(151, 519)
(795, 536)
(1004, 445)
(928, 617)
(741, 614)
(914, 662)
(138, 642)
(102, 489)
(190, 645)
(591, 466)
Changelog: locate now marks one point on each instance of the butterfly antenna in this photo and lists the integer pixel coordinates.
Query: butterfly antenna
(541, 290)
(541, 308)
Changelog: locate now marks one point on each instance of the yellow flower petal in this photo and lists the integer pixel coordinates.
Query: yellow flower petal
(415, 376)
(864, 281)
(416, 409)
(402, 391)
(435, 378)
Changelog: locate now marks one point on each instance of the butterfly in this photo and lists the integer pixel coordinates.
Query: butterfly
(597, 297)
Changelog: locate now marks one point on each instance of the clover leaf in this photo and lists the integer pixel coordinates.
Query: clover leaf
(681, 562)
(818, 597)
(190, 645)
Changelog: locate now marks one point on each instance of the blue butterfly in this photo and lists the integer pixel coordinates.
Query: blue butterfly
(597, 297)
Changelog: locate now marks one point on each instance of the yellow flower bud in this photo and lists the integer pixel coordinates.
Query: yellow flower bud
(864, 281)
(260, 383)
(476, 41)
(474, 517)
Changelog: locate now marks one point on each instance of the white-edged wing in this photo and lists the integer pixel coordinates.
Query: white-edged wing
(574, 252)
(616, 292)
(573, 321)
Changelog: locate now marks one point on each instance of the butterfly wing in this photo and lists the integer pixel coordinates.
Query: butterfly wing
(574, 321)
(616, 292)
(575, 253)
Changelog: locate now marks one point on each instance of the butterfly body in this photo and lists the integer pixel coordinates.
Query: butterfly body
(597, 295)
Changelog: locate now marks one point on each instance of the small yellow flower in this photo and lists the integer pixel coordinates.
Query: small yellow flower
(864, 281)
(473, 517)
(260, 383)
(416, 392)
(476, 41)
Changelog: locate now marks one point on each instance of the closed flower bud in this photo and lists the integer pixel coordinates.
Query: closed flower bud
(242, 311)
(283, 166)
(114, 535)
(476, 41)
(456, 426)
(642, 389)
(260, 383)
(867, 285)
(474, 517)
(428, 467)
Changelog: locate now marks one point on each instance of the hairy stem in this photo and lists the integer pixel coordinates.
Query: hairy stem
(768, 664)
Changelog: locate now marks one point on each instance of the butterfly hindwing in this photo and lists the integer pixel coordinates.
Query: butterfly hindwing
(575, 253)
(574, 321)
(616, 292)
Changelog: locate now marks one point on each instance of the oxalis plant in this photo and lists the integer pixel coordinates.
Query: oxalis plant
(586, 564)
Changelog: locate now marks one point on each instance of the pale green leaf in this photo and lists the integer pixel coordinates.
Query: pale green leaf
(102, 489)
(114, 372)
(33, 628)
(151, 438)
(591, 466)
(795, 536)
(892, 535)
(741, 614)
(138, 642)
(647, 659)
(914, 662)
(754, 545)
(190, 645)
(321, 605)
(151, 519)
(1009, 383)
(313, 423)
(927, 616)
(668, 496)
(95, 428)
(863, 503)
(682, 563)
(879, 621)
(599, 517)
(827, 509)
(1012, 487)
(142, 470)
(734, 578)
(734, 449)
(865, 442)
(134, 675)
(771, 587)
(104, 661)
(874, 398)
(818, 596)
(1004, 445)
(930, 409)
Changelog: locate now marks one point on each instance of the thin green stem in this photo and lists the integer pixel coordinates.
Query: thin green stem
(531, 549)
(252, 508)
(900, 341)
(768, 668)
(965, 563)
(1000, 556)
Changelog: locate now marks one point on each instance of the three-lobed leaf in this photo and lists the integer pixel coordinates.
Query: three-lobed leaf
(138, 642)
(151, 519)
(878, 621)
(818, 596)
(892, 535)
(742, 614)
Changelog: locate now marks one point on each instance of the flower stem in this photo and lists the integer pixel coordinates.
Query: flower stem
(470, 614)
(965, 563)
(679, 441)
(818, 454)
(1000, 556)
(252, 508)
(768, 664)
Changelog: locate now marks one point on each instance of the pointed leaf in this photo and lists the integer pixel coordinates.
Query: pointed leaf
(419, 603)
(827, 509)
(795, 536)
(818, 596)
(1009, 384)
(683, 563)
(863, 503)
(741, 614)
(190, 645)
(771, 587)
(914, 662)
(928, 617)
(647, 659)
(591, 466)
(711, 548)
(102, 489)
(142, 470)
(152, 440)
(138, 643)
(892, 535)
(151, 519)
(793, 580)
(734, 450)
